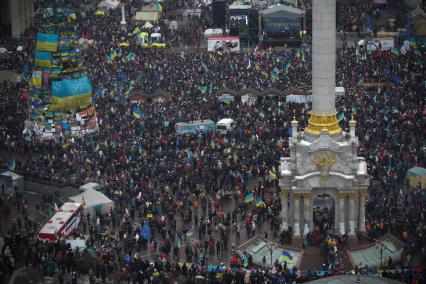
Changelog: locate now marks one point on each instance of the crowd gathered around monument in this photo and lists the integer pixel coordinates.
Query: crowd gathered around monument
(191, 188)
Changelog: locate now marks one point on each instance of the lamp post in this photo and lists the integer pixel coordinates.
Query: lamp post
(270, 250)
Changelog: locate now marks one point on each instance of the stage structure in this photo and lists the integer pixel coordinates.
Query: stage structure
(243, 21)
(323, 162)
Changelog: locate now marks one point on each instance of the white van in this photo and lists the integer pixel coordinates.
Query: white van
(224, 125)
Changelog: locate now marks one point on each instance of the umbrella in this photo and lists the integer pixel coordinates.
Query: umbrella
(3, 50)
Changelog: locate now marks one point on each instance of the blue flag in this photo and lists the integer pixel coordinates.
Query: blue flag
(145, 231)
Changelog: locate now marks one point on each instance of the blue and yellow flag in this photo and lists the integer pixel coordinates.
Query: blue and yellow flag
(159, 7)
(249, 198)
(36, 79)
(137, 113)
(43, 59)
(11, 165)
(47, 42)
(71, 94)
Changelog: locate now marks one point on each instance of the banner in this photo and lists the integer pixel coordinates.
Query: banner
(47, 42)
(386, 44)
(71, 94)
(72, 87)
(36, 79)
(223, 43)
(43, 59)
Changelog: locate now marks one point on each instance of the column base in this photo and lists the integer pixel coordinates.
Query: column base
(297, 241)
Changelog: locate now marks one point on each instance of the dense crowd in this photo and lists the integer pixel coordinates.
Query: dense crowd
(198, 182)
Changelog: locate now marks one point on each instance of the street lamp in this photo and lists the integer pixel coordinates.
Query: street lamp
(382, 247)
(271, 250)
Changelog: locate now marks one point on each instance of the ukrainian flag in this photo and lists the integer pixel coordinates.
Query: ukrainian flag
(203, 89)
(11, 165)
(249, 198)
(137, 113)
(43, 59)
(36, 79)
(71, 94)
(159, 7)
(47, 42)
(260, 203)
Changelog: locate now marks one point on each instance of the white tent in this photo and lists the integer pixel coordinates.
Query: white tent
(213, 32)
(173, 25)
(90, 185)
(148, 25)
(109, 4)
(93, 200)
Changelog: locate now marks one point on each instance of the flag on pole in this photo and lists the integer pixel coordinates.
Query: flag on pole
(137, 113)
(11, 165)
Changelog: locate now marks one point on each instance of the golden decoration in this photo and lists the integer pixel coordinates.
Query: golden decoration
(324, 161)
(342, 195)
(306, 195)
(318, 123)
(363, 190)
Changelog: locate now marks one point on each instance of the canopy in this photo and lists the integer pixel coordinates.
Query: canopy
(148, 25)
(211, 32)
(417, 176)
(90, 185)
(93, 200)
(3, 50)
(109, 4)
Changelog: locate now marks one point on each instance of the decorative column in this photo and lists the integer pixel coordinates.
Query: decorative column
(307, 212)
(323, 114)
(361, 222)
(351, 213)
(296, 229)
(342, 228)
(284, 208)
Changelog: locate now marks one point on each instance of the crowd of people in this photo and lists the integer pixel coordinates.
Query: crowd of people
(193, 186)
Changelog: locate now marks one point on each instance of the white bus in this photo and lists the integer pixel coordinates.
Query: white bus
(62, 224)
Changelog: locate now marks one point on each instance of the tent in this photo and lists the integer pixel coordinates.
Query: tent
(109, 4)
(90, 185)
(416, 176)
(148, 13)
(148, 25)
(93, 200)
(340, 91)
(11, 182)
(213, 32)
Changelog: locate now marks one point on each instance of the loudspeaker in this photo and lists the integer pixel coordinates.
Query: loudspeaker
(219, 13)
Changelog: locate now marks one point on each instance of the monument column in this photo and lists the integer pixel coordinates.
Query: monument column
(307, 212)
(352, 214)
(361, 222)
(284, 208)
(323, 114)
(342, 228)
(296, 229)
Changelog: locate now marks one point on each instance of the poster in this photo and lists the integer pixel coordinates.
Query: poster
(223, 43)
